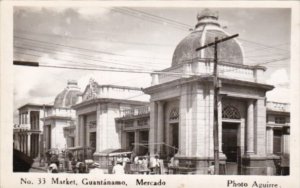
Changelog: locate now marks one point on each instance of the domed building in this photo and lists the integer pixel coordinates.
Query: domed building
(69, 96)
(59, 121)
(182, 105)
(205, 32)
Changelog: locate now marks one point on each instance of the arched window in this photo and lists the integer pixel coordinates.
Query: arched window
(230, 112)
(174, 114)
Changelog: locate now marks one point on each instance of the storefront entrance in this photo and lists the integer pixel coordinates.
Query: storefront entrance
(230, 147)
(144, 139)
(93, 143)
(129, 140)
(174, 138)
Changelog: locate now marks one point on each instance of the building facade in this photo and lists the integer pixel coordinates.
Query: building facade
(59, 121)
(178, 121)
(133, 129)
(278, 128)
(181, 107)
(96, 113)
(28, 134)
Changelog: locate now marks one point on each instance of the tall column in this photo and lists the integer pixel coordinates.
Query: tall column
(28, 118)
(136, 140)
(21, 143)
(153, 123)
(220, 123)
(285, 144)
(160, 125)
(25, 143)
(77, 139)
(260, 127)
(99, 130)
(82, 131)
(39, 145)
(185, 123)
(29, 144)
(250, 128)
(36, 143)
(270, 133)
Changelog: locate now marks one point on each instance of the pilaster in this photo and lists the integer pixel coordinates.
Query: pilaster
(153, 123)
(250, 127)
(269, 135)
(28, 152)
(260, 125)
(136, 140)
(160, 125)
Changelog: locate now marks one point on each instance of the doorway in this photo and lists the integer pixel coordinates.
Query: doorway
(144, 139)
(230, 147)
(49, 136)
(130, 140)
(93, 141)
(174, 138)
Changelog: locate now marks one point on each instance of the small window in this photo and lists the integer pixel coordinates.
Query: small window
(128, 124)
(280, 120)
(174, 114)
(92, 124)
(277, 141)
(142, 122)
(230, 112)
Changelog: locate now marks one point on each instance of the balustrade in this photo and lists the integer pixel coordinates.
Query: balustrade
(277, 106)
(201, 67)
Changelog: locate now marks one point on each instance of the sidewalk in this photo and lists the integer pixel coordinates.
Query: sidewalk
(35, 167)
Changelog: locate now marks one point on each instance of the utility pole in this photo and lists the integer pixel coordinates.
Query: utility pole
(217, 86)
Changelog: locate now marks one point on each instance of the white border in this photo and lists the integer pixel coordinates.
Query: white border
(9, 179)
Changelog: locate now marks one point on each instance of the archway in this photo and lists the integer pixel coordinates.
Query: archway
(174, 131)
(230, 135)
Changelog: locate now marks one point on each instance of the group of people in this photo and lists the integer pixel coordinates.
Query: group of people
(137, 164)
(123, 164)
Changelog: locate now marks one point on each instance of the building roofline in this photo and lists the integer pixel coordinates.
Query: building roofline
(275, 112)
(112, 86)
(34, 105)
(107, 100)
(56, 117)
(132, 117)
(210, 60)
(206, 78)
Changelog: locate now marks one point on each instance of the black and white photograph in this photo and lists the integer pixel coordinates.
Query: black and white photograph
(152, 91)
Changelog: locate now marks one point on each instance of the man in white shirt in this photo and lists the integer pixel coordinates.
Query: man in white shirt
(118, 168)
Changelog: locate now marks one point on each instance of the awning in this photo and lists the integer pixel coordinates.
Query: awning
(79, 148)
(114, 152)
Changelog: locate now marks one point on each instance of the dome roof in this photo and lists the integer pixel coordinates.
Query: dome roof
(68, 96)
(205, 32)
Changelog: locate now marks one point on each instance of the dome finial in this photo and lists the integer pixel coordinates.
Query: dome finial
(207, 16)
(207, 13)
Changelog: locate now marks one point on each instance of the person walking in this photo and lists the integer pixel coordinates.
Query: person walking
(118, 168)
(154, 165)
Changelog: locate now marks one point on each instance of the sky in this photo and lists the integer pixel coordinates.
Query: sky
(133, 38)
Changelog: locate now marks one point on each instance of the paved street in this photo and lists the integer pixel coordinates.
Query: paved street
(37, 168)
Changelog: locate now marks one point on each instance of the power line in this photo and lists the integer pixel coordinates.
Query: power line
(84, 49)
(69, 53)
(185, 25)
(34, 55)
(139, 16)
(86, 57)
(112, 69)
(159, 17)
(264, 45)
(24, 32)
(267, 48)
